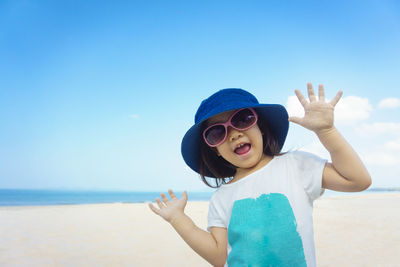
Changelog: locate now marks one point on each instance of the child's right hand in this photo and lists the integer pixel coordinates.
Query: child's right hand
(170, 209)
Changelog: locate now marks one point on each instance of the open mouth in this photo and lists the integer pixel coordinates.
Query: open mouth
(242, 148)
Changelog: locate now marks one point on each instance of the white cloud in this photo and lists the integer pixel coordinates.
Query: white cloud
(348, 110)
(382, 158)
(375, 152)
(393, 145)
(378, 128)
(352, 108)
(385, 155)
(390, 102)
(381, 153)
(134, 116)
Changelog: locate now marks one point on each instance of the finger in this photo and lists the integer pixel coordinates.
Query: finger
(172, 194)
(164, 198)
(154, 209)
(301, 98)
(321, 93)
(311, 92)
(159, 203)
(336, 99)
(184, 196)
(295, 119)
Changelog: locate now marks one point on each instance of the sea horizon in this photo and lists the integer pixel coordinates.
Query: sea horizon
(45, 197)
(48, 197)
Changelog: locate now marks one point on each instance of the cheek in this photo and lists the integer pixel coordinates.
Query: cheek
(220, 150)
(256, 134)
(224, 151)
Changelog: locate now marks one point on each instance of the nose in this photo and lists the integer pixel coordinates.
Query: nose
(234, 134)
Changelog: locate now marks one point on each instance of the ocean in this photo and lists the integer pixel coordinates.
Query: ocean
(23, 197)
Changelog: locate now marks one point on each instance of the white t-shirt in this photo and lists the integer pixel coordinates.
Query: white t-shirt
(268, 214)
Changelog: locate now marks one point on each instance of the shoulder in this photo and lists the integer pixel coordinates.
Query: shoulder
(299, 155)
(301, 160)
(224, 195)
(217, 195)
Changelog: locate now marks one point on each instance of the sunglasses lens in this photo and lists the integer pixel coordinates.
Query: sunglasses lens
(243, 119)
(215, 134)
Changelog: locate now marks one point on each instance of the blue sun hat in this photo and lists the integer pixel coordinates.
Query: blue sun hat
(274, 115)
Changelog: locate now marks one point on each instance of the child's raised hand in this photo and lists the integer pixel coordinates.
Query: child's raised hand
(318, 113)
(170, 209)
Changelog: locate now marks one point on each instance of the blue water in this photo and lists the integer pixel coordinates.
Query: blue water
(329, 193)
(21, 197)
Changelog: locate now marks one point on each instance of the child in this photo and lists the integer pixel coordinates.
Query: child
(261, 214)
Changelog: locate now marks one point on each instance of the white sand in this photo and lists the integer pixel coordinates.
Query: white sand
(349, 231)
(358, 230)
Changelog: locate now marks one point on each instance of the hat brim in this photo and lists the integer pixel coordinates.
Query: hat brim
(274, 115)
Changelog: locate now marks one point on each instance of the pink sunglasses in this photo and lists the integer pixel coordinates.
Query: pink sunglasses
(241, 120)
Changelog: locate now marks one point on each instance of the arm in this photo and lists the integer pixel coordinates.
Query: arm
(346, 172)
(210, 246)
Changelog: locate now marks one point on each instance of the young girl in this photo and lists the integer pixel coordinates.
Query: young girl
(261, 214)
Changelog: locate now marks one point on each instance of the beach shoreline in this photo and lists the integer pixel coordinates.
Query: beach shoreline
(359, 230)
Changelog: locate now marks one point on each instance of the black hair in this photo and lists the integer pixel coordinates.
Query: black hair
(224, 170)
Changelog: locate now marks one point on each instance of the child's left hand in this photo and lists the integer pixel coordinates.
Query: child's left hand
(318, 115)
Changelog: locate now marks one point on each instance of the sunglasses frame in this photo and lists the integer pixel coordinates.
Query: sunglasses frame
(229, 123)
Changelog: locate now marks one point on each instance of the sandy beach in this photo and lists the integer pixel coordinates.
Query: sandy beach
(359, 230)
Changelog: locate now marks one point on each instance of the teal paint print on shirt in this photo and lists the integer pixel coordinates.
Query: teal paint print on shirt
(263, 232)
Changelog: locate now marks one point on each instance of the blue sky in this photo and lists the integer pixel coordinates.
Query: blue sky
(98, 94)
